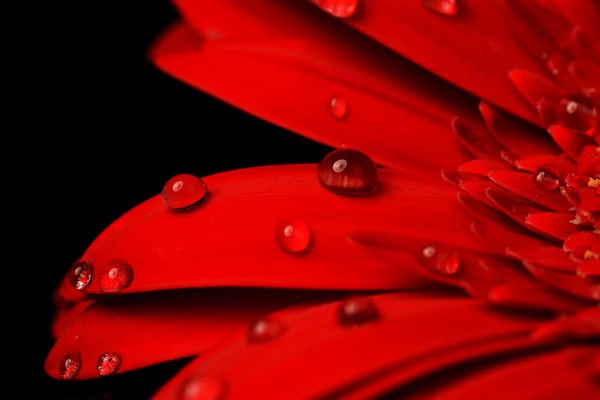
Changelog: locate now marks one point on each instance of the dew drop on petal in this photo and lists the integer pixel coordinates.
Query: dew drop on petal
(347, 171)
(203, 388)
(265, 330)
(440, 259)
(444, 7)
(108, 363)
(338, 108)
(183, 191)
(76, 338)
(116, 276)
(80, 275)
(69, 366)
(357, 311)
(337, 8)
(580, 116)
(293, 236)
(546, 178)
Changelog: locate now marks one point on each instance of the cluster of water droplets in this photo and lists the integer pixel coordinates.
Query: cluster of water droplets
(116, 276)
(107, 364)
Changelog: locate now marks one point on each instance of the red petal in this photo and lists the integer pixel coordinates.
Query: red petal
(582, 13)
(569, 283)
(535, 87)
(523, 185)
(554, 224)
(571, 142)
(515, 135)
(551, 257)
(149, 329)
(318, 357)
(589, 269)
(476, 139)
(280, 50)
(474, 50)
(165, 248)
(534, 296)
(556, 374)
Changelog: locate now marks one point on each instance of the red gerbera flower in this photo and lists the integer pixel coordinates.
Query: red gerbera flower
(493, 265)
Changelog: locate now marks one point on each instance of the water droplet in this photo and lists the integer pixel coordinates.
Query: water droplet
(183, 191)
(116, 276)
(338, 108)
(440, 259)
(443, 7)
(546, 178)
(69, 366)
(108, 363)
(80, 275)
(579, 115)
(347, 171)
(293, 236)
(265, 330)
(337, 8)
(204, 388)
(357, 311)
(76, 338)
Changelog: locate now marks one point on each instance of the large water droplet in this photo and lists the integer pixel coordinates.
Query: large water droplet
(204, 388)
(357, 311)
(546, 178)
(69, 366)
(116, 276)
(338, 108)
(444, 7)
(265, 330)
(337, 8)
(80, 275)
(293, 236)
(108, 363)
(347, 171)
(183, 191)
(439, 258)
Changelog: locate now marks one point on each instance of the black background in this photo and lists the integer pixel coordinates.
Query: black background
(112, 129)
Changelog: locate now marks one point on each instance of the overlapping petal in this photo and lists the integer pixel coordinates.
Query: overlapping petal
(516, 228)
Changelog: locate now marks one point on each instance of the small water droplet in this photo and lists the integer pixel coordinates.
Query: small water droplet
(80, 275)
(108, 363)
(357, 311)
(183, 191)
(116, 276)
(337, 8)
(347, 171)
(265, 330)
(69, 366)
(439, 258)
(579, 115)
(203, 388)
(443, 7)
(76, 338)
(338, 108)
(293, 236)
(547, 178)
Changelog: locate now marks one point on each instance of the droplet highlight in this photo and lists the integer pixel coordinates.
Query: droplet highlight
(338, 108)
(183, 191)
(443, 7)
(265, 330)
(80, 275)
(203, 388)
(357, 311)
(440, 259)
(293, 236)
(347, 171)
(108, 363)
(116, 276)
(547, 178)
(337, 8)
(69, 366)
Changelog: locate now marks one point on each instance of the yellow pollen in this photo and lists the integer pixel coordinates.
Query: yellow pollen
(594, 183)
(589, 255)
